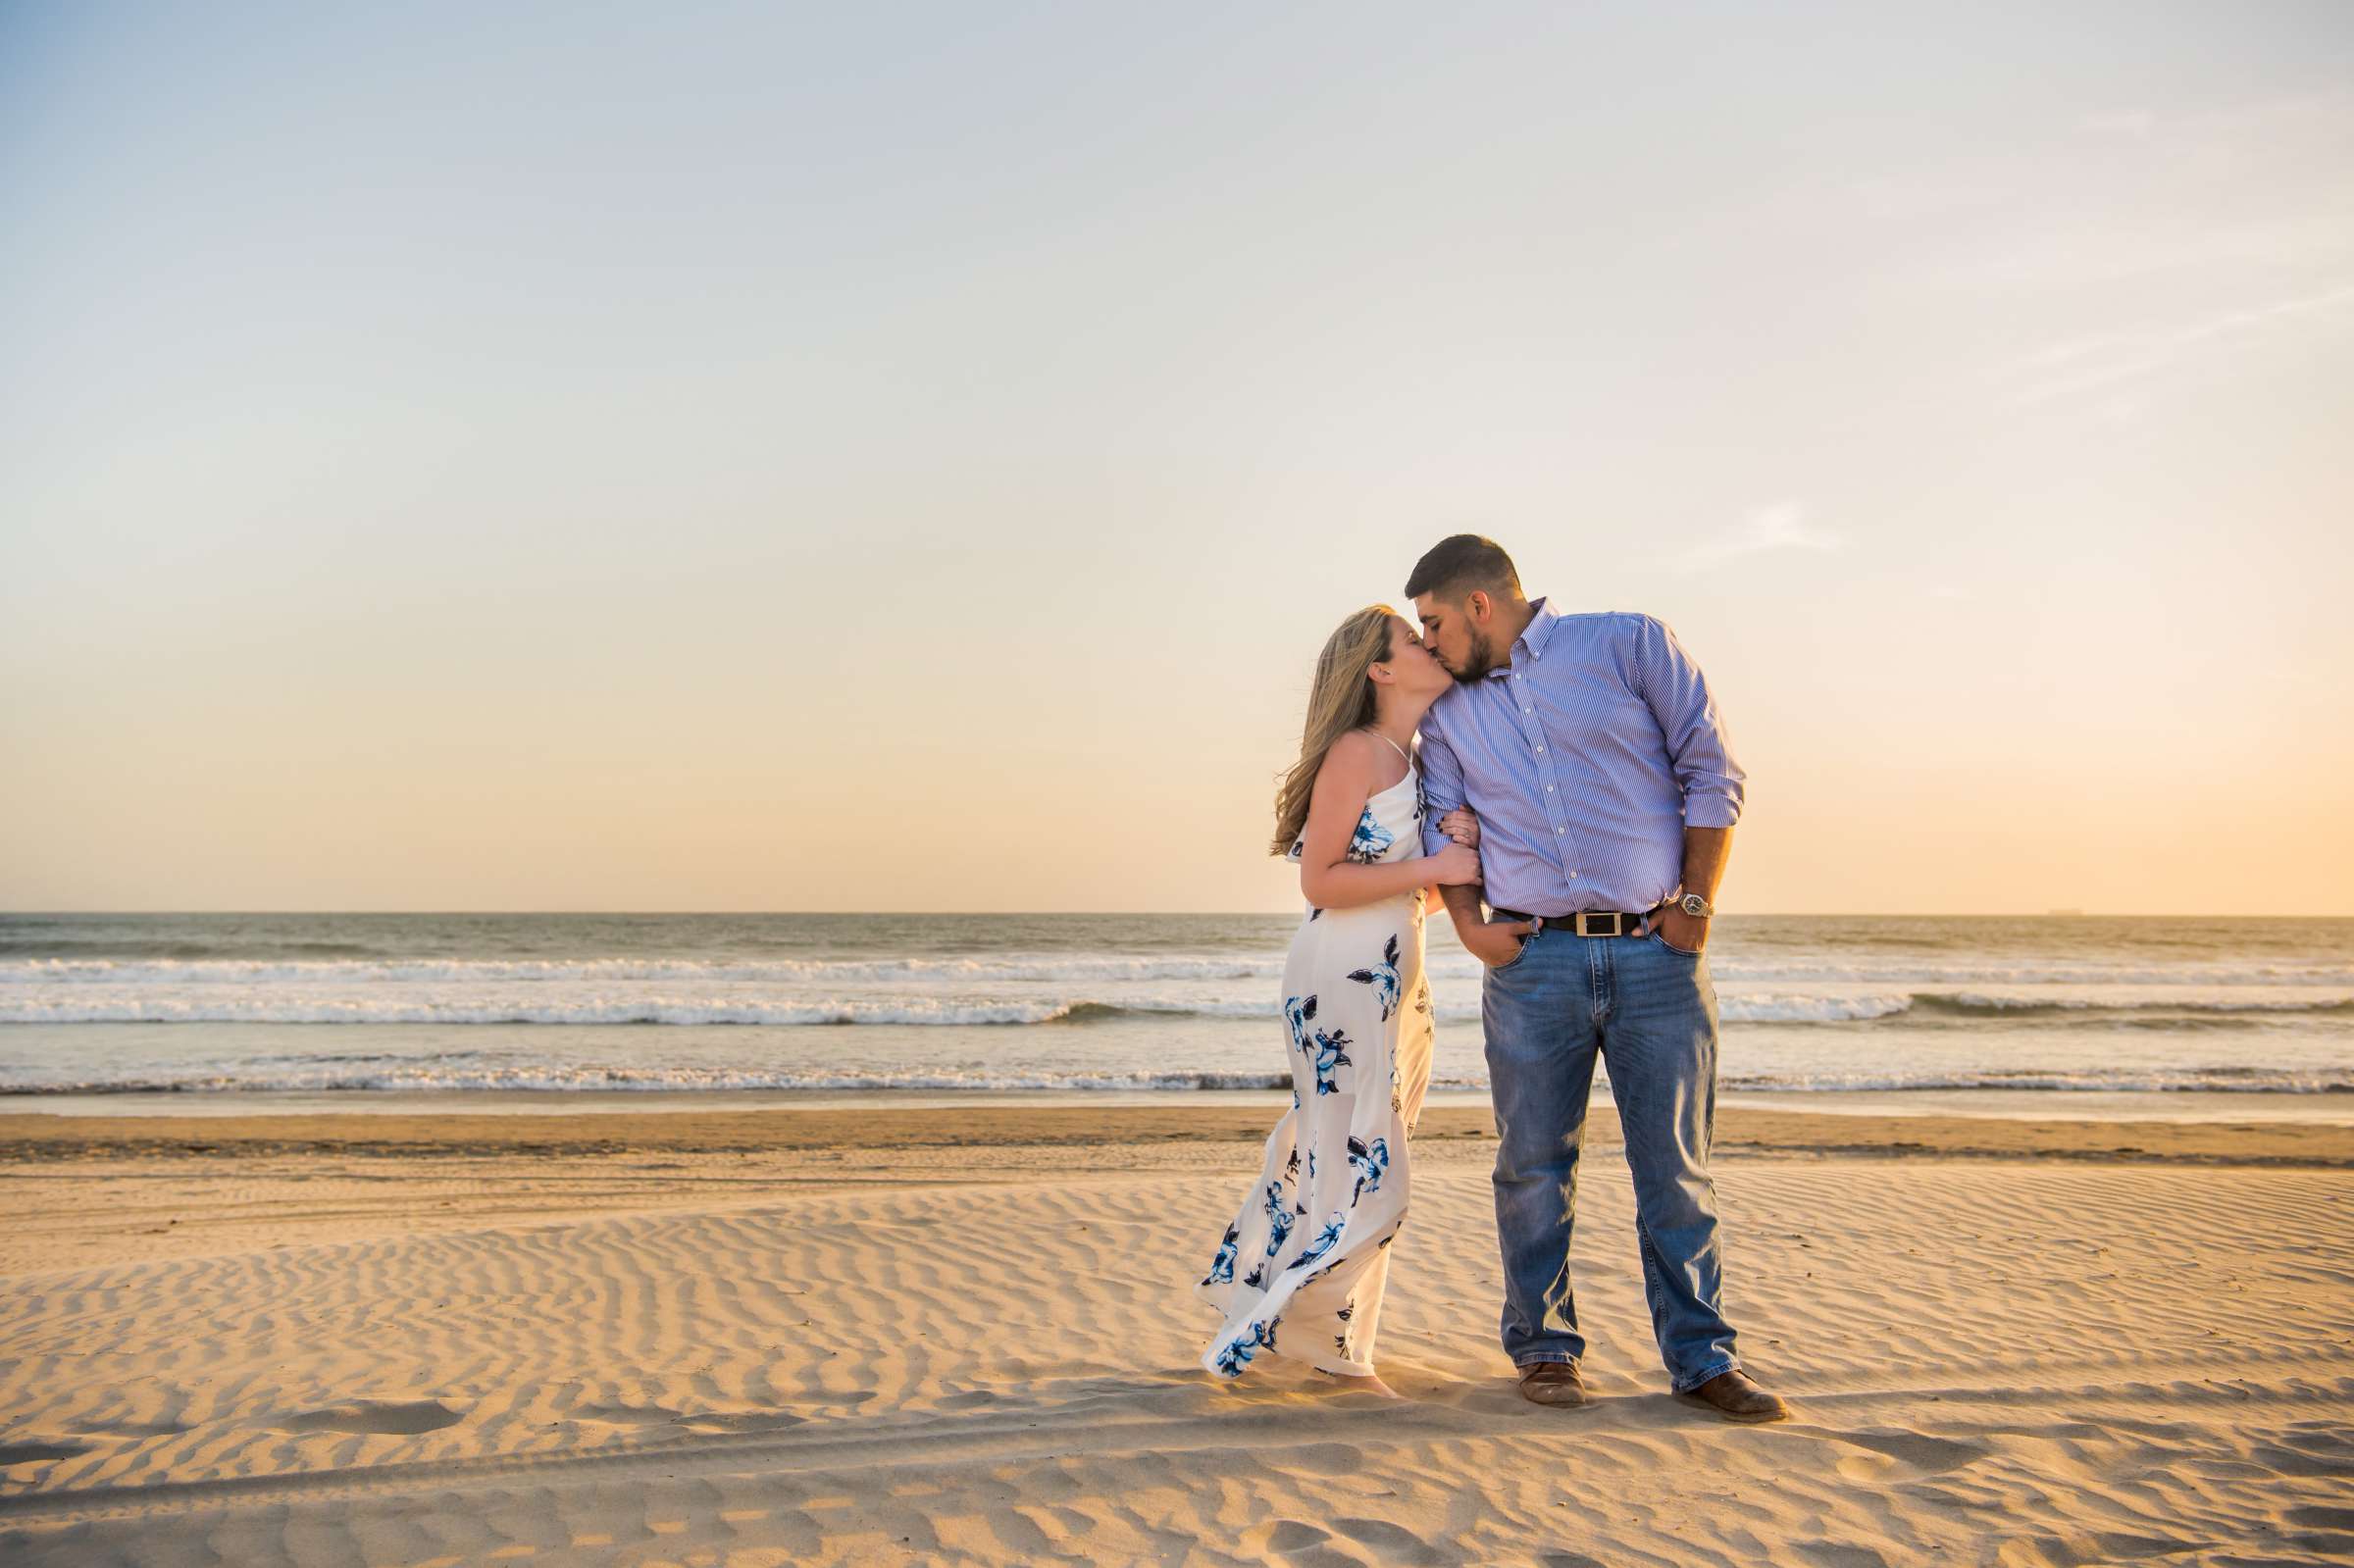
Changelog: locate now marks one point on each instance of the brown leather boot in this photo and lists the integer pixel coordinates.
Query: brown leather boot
(1734, 1397)
(1555, 1383)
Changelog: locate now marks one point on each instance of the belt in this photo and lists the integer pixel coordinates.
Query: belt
(1586, 921)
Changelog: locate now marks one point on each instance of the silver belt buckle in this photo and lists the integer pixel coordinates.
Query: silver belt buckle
(1589, 922)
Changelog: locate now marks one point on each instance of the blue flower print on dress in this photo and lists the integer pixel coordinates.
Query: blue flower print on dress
(1383, 978)
(1331, 1055)
(1334, 1173)
(1279, 1220)
(1299, 1012)
(1372, 841)
(1236, 1353)
(1221, 1267)
(1368, 1161)
(1326, 1240)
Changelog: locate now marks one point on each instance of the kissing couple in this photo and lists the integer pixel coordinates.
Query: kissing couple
(1570, 772)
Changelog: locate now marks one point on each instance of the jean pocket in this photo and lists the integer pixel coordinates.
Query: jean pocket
(1671, 947)
(1518, 959)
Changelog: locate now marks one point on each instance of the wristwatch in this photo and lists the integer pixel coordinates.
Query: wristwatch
(1693, 904)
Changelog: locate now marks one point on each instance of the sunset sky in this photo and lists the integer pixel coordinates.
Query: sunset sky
(750, 457)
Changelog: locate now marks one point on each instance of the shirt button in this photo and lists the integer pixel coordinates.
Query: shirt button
(1540, 751)
(1574, 876)
(1560, 830)
(1548, 789)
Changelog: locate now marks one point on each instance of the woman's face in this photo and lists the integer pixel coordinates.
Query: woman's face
(1414, 669)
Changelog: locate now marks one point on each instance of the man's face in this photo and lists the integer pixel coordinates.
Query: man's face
(1457, 633)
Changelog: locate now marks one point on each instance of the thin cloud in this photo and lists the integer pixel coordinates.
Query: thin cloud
(2114, 358)
(1780, 526)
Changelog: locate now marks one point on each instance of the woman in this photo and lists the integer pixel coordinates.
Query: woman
(1300, 1270)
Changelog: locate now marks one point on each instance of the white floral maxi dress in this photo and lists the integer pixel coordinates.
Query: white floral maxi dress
(1301, 1268)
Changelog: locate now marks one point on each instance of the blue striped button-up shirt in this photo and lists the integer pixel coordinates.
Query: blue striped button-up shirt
(1584, 758)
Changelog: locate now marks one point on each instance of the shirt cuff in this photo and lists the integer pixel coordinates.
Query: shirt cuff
(1707, 810)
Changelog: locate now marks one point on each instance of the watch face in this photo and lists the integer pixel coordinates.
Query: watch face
(1695, 905)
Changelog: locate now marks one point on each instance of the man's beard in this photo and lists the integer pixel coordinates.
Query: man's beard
(1475, 669)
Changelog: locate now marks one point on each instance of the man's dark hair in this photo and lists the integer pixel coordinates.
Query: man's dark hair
(1454, 566)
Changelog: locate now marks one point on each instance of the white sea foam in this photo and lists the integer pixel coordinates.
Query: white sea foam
(930, 972)
(934, 973)
(1916, 972)
(599, 1010)
(536, 1004)
(682, 1079)
(1126, 1002)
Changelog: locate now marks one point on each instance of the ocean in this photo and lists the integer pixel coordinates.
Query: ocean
(372, 1005)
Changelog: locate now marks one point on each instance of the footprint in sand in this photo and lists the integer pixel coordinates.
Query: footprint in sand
(1833, 1554)
(1327, 1459)
(739, 1423)
(626, 1415)
(970, 1400)
(1296, 1534)
(135, 1429)
(25, 1454)
(1886, 1451)
(2052, 1552)
(1390, 1543)
(404, 1420)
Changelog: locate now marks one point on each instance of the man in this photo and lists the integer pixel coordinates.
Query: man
(1588, 749)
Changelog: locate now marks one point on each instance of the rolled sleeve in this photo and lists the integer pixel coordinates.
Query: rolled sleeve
(1698, 747)
(1441, 785)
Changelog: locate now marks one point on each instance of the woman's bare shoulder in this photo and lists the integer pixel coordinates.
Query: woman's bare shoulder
(1353, 755)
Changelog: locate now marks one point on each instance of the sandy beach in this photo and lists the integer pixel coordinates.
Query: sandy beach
(706, 711)
(862, 1334)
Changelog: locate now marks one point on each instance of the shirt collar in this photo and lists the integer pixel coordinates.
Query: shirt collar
(1533, 638)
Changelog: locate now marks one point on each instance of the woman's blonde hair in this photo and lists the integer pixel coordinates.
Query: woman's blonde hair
(1340, 699)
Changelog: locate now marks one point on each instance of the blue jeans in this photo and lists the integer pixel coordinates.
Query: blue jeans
(1651, 1013)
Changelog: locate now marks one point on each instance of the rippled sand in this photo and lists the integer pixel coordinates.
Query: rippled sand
(969, 1340)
